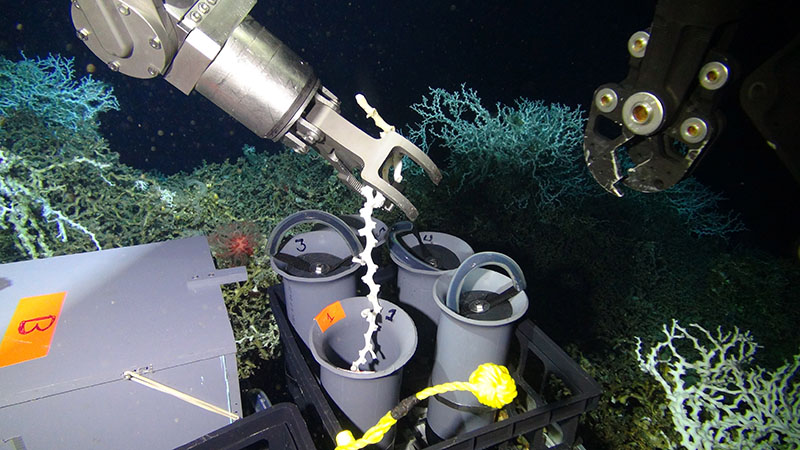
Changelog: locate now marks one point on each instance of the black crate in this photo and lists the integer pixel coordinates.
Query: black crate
(555, 389)
(278, 427)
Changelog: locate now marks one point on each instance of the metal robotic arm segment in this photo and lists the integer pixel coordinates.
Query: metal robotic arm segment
(665, 109)
(216, 48)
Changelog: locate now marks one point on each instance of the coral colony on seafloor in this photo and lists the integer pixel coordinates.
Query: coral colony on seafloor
(717, 399)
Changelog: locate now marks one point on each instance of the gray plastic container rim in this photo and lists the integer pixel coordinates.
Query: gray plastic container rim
(455, 283)
(314, 216)
(412, 264)
(381, 231)
(392, 368)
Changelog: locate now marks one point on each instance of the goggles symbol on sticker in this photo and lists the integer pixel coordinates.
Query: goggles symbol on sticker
(38, 324)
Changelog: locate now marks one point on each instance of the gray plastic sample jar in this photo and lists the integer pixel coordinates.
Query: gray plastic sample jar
(316, 267)
(420, 263)
(466, 339)
(335, 340)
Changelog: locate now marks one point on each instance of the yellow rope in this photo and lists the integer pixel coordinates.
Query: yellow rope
(491, 384)
(346, 440)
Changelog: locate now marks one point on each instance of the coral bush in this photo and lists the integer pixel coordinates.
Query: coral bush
(43, 91)
(538, 146)
(48, 88)
(717, 399)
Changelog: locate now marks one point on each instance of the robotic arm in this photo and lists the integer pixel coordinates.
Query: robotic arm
(652, 128)
(215, 47)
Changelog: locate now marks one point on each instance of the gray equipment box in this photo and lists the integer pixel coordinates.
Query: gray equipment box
(72, 325)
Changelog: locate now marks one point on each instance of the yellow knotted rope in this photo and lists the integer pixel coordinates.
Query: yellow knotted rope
(491, 384)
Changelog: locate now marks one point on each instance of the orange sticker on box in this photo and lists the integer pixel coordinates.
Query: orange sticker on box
(330, 315)
(31, 329)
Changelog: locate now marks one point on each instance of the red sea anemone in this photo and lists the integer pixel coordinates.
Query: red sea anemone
(234, 242)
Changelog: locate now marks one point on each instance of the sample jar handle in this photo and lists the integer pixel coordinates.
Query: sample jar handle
(402, 251)
(314, 216)
(480, 260)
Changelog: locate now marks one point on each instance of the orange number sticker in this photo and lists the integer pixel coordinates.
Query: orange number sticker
(330, 315)
(31, 329)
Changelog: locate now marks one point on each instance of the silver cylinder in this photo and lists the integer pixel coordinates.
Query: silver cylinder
(259, 81)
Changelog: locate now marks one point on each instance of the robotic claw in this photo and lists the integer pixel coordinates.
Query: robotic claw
(651, 129)
(215, 47)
